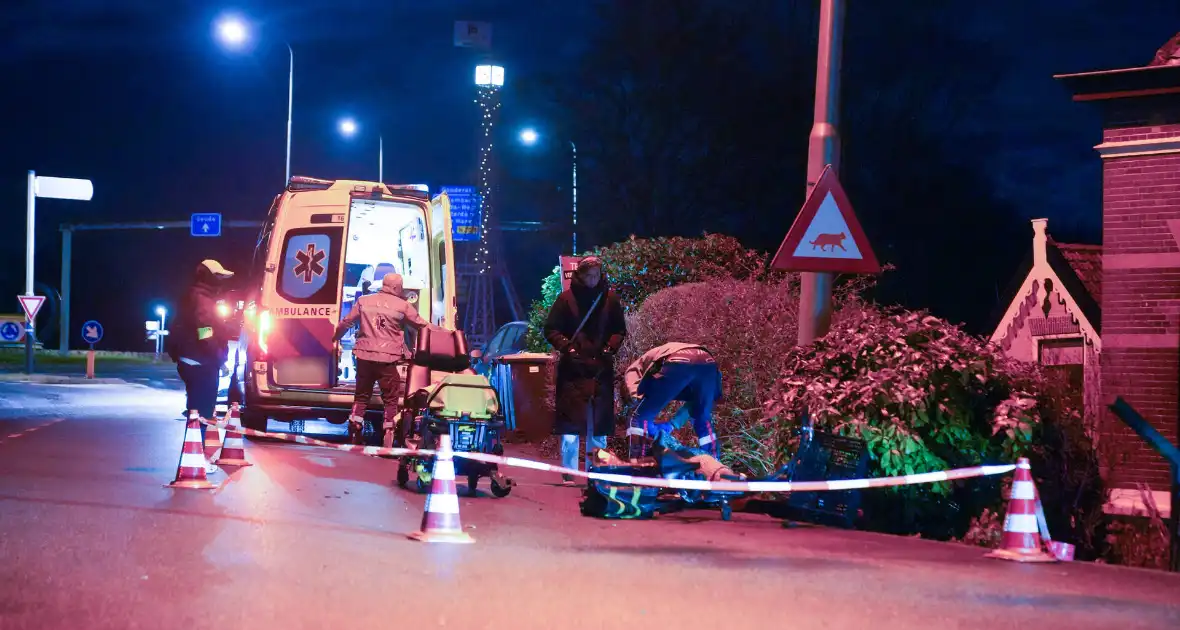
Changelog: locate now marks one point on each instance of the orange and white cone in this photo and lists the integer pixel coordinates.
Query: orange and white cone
(233, 451)
(1021, 541)
(190, 472)
(213, 435)
(440, 521)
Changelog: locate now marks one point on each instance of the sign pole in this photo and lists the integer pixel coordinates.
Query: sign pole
(30, 245)
(815, 288)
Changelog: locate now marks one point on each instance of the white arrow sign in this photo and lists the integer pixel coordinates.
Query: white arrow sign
(205, 227)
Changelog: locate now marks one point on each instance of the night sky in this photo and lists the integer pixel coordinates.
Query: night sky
(951, 109)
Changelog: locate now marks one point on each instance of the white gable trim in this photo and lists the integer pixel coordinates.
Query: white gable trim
(1042, 271)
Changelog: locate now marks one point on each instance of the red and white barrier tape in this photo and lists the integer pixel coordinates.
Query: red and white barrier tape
(652, 482)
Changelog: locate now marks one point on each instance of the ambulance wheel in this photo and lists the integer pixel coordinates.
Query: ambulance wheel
(473, 485)
(403, 476)
(500, 491)
(726, 512)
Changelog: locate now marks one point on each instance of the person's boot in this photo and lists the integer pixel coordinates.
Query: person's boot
(356, 424)
(391, 421)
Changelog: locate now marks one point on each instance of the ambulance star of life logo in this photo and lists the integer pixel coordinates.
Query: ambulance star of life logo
(310, 260)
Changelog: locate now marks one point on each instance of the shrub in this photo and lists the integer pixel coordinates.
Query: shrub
(925, 396)
(1137, 541)
(746, 324)
(637, 268)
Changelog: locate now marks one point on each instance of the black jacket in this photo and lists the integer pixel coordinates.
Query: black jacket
(199, 332)
(587, 373)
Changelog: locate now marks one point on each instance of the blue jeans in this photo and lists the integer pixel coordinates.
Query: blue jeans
(693, 383)
(569, 442)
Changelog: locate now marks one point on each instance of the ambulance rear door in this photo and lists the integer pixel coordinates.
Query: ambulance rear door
(444, 298)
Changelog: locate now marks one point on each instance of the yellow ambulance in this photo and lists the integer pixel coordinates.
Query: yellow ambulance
(323, 244)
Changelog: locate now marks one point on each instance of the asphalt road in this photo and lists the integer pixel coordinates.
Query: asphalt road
(312, 538)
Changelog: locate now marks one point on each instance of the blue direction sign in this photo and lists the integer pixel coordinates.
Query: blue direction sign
(205, 224)
(11, 331)
(92, 332)
(465, 212)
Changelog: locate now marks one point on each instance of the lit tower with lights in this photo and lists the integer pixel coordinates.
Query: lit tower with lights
(486, 265)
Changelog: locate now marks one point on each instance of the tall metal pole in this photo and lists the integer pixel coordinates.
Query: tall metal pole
(823, 148)
(67, 245)
(380, 158)
(30, 248)
(290, 106)
(574, 148)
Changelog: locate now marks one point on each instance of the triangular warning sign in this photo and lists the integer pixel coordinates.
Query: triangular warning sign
(31, 304)
(826, 235)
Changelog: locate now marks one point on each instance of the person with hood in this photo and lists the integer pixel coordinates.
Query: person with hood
(199, 341)
(380, 346)
(673, 371)
(586, 326)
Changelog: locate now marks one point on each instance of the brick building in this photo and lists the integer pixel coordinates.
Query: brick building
(1140, 291)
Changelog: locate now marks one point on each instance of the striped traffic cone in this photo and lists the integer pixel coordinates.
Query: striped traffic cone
(440, 521)
(233, 452)
(1021, 541)
(190, 472)
(213, 434)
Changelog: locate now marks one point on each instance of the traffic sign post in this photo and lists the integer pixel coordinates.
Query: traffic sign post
(823, 152)
(205, 224)
(91, 334)
(49, 188)
(31, 305)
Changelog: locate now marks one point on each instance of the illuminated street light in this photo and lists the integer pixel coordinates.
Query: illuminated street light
(163, 314)
(348, 129)
(489, 76)
(233, 32)
(529, 136)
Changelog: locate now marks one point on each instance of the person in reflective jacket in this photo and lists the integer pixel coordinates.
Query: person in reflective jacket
(200, 336)
(380, 346)
(673, 371)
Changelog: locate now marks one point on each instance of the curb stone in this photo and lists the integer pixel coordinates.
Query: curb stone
(58, 379)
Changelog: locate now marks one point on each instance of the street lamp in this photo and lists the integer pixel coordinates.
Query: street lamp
(348, 129)
(489, 76)
(233, 32)
(529, 137)
(163, 314)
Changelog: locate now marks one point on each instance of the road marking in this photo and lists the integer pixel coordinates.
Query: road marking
(12, 436)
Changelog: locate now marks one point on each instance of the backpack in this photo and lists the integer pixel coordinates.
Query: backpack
(607, 500)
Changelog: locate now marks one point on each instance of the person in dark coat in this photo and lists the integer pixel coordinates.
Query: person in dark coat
(586, 326)
(200, 336)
